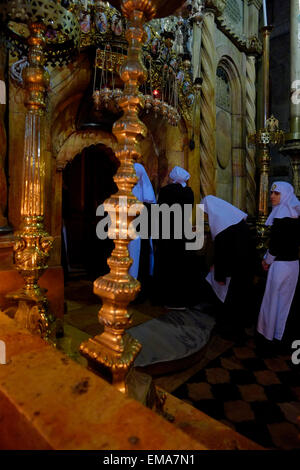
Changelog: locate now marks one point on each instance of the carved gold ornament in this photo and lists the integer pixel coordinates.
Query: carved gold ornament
(61, 34)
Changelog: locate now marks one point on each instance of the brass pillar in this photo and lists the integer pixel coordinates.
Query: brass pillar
(261, 138)
(3, 147)
(266, 31)
(264, 138)
(112, 353)
(264, 151)
(264, 161)
(32, 245)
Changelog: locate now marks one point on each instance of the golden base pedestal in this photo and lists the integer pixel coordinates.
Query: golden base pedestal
(118, 371)
(109, 364)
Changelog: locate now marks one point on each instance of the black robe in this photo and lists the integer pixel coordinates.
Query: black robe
(234, 256)
(285, 239)
(171, 263)
(284, 244)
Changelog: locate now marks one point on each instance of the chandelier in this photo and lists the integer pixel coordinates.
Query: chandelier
(169, 90)
(162, 100)
(62, 32)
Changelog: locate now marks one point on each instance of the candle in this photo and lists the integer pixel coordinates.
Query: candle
(265, 13)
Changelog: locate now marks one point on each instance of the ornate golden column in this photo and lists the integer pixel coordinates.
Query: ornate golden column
(112, 353)
(32, 245)
(208, 163)
(250, 129)
(264, 138)
(3, 146)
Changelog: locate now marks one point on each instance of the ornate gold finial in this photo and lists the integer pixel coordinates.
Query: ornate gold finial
(3, 143)
(271, 135)
(268, 135)
(272, 124)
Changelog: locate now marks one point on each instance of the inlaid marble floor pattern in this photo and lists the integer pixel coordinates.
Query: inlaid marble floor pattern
(256, 394)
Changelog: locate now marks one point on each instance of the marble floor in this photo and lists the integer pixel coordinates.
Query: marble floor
(255, 394)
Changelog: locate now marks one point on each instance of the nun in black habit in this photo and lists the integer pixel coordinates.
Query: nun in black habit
(231, 276)
(171, 258)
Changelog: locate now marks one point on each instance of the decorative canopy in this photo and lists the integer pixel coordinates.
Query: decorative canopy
(154, 8)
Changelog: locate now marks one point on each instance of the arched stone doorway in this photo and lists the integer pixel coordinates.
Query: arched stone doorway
(231, 170)
(87, 183)
(224, 136)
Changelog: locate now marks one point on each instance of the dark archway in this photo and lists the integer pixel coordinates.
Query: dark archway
(87, 183)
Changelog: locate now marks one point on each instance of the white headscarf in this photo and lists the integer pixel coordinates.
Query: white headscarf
(179, 175)
(289, 205)
(143, 189)
(221, 214)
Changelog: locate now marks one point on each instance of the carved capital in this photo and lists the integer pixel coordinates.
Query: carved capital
(217, 5)
(196, 11)
(254, 45)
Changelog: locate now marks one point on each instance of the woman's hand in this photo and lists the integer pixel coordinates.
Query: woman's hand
(265, 265)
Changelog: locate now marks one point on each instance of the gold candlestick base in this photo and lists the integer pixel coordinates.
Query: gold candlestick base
(108, 363)
(262, 233)
(34, 316)
(32, 242)
(31, 253)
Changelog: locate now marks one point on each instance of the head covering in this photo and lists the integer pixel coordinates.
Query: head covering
(289, 205)
(179, 175)
(221, 214)
(143, 189)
